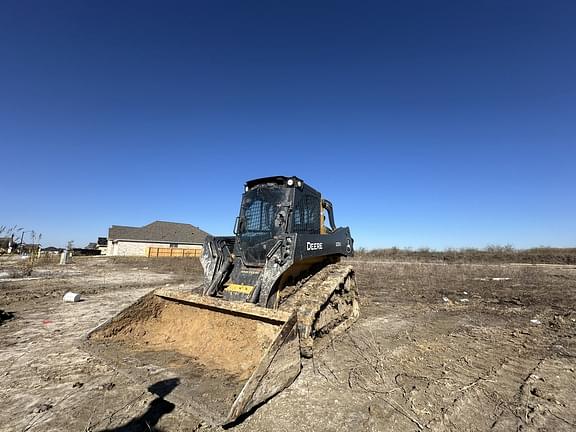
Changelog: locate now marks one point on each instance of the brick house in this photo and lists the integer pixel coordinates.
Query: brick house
(135, 241)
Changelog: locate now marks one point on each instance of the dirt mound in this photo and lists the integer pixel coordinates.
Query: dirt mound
(214, 339)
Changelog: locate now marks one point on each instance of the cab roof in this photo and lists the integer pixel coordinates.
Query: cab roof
(281, 181)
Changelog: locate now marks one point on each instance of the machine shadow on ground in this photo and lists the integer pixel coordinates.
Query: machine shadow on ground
(156, 409)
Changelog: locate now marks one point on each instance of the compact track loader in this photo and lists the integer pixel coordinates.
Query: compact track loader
(273, 292)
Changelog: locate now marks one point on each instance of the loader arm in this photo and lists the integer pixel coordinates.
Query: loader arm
(216, 261)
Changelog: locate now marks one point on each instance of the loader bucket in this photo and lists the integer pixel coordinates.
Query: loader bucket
(228, 357)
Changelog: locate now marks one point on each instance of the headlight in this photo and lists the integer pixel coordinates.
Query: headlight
(290, 182)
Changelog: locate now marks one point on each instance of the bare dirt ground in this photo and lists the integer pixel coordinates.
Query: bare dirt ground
(442, 347)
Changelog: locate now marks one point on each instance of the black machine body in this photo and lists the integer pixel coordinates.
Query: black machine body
(283, 231)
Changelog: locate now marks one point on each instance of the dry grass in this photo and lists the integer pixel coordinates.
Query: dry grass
(489, 255)
(504, 284)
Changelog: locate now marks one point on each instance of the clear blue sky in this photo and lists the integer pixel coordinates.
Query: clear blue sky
(427, 123)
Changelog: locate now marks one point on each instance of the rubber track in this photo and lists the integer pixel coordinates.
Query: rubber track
(313, 296)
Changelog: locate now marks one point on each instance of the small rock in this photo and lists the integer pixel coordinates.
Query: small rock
(77, 384)
(39, 408)
(108, 386)
(537, 392)
(445, 299)
(535, 321)
(464, 300)
(534, 377)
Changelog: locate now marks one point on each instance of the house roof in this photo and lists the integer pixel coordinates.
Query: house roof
(159, 231)
(52, 249)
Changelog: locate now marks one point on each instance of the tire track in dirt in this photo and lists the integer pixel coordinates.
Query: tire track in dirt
(485, 387)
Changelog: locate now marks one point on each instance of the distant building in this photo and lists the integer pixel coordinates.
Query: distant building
(52, 250)
(102, 245)
(6, 244)
(87, 251)
(135, 241)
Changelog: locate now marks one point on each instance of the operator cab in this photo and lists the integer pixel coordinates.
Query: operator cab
(271, 209)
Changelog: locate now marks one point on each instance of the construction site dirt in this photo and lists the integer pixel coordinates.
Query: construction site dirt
(440, 347)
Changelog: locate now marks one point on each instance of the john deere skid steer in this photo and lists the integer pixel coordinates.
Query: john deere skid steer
(273, 292)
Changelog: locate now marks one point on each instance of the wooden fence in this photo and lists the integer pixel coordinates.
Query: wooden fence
(153, 252)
